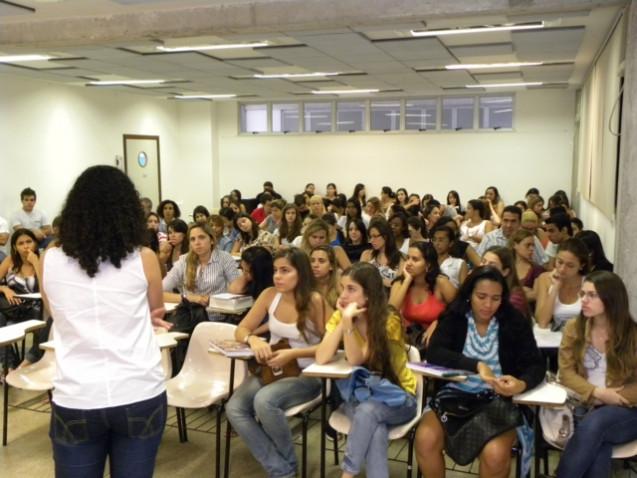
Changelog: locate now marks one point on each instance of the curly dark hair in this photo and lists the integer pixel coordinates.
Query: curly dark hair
(102, 219)
(160, 208)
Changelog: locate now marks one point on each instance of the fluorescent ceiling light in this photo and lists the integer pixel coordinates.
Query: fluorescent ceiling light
(22, 58)
(125, 82)
(345, 92)
(294, 75)
(484, 66)
(506, 85)
(229, 46)
(203, 97)
(460, 31)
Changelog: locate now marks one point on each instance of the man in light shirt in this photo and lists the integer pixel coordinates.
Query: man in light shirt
(30, 218)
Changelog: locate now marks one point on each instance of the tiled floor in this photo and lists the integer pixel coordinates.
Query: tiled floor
(29, 452)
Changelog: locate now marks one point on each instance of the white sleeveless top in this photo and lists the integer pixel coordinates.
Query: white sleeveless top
(280, 330)
(451, 268)
(563, 312)
(466, 232)
(105, 347)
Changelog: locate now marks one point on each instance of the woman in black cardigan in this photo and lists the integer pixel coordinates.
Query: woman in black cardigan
(481, 319)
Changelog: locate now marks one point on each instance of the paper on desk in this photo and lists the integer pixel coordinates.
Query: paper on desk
(33, 295)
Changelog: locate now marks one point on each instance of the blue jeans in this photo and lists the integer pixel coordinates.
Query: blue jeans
(588, 453)
(129, 435)
(257, 413)
(368, 440)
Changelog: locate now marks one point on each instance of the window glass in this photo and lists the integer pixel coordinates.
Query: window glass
(385, 115)
(457, 113)
(496, 112)
(421, 114)
(254, 118)
(318, 116)
(285, 118)
(350, 116)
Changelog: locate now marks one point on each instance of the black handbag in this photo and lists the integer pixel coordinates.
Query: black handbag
(471, 420)
(186, 316)
(14, 313)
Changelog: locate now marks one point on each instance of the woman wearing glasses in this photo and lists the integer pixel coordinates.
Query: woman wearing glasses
(598, 360)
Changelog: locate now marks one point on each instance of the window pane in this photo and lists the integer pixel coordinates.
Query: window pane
(350, 116)
(457, 113)
(496, 112)
(254, 118)
(318, 116)
(421, 114)
(285, 118)
(385, 115)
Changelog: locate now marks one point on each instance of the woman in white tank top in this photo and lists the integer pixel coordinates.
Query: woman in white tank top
(296, 313)
(476, 225)
(103, 290)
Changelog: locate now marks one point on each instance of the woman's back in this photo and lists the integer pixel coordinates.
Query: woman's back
(106, 352)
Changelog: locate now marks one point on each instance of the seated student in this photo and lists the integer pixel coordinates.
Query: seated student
(230, 234)
(152, 224)
(337, 208)
(330, 191)
(356, 242)
(353, 211)
(387, 199)
(4, 236)
(431, 213)
(383, 255)
(268, 188)
(168, 211)
(335, 237)
(442, 239)
(372, 337)
(326, 276)
(522, 245)
(400, 229)
(217, 225)
(598, 361)
(480, 332)
(18, 275)
(557, 291)
(224, 202)
(360, 195)
(417, 229)
(152, 240)
(536, 204)
(510, 223)
(300, 201)
(531, 222)
(560, 198)
(290, 227)
(175, 246)
(250, 235)
(476, 226)
(296, 313)
(317, 234)
(203, 271)
(200, 214)
(316, 208)
(453, 201)
(521, 205)
(558, 230)
(502, 259)
(401, 197)
(373, 209)
(263, 210)
(273, 220)
(30, 218)
(256, 271)
(235, 199)
(597, 257)
(147, 205)
(460, 249)
(495, 204)
(421, 293)
(577, 226)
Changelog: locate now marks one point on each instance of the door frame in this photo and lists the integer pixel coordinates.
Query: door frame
(149, 137)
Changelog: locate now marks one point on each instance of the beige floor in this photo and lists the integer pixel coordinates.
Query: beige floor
(29, 453)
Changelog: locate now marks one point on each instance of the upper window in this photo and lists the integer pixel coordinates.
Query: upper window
(318, 117)
(285, 118)
(496, 112)
(421, 114)
(350, 116)
(457, 113)
(254, 118)
(385, 115)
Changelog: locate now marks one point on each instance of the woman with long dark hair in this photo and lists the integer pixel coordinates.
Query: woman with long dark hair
(356, 242)
(291, 227)
(250, 235)
(384, 254)
(104, 292)
(372, 337)
(176, 245)
(295, 313)
(598, 260)
(256, 271)
(598, 361)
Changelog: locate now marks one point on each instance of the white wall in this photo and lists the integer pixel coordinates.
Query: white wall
(538, 153)
(49, 133)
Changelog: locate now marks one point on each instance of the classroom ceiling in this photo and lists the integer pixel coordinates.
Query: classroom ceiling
(382, 56)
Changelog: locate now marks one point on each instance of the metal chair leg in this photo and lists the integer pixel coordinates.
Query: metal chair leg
(304, 420)
(218, 443)
(336, 448)
(226, 464)
(410, 457)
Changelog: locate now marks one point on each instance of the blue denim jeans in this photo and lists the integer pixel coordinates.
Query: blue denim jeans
(129, 435)
(368, 440)
(588, 453)
(257, 413)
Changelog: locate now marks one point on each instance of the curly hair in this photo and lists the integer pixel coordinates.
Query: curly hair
(16, 259)
(102, 219)
(160, 208)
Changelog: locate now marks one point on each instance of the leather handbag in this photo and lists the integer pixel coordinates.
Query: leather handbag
(269, 374)
(471, 420)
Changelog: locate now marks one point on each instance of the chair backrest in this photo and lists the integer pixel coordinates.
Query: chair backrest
(211, 366)
(413, 355)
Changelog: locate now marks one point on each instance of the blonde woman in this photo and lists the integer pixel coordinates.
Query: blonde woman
(316, 234)
(325, 271)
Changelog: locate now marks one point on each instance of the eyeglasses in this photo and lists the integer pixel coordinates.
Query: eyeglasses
(588, 295)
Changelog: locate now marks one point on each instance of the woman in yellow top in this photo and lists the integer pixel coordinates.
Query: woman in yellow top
(598, 361)
(372, 336)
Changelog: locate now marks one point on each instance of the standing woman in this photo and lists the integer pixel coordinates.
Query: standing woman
(372, 336)
(476, 226)
(598, 361)
(557, 291)
(168, 211)
(356, 242)
(325, 271)
(296, 313)
(104, 292)
(384, 254)
(421, 293)
(290, 228)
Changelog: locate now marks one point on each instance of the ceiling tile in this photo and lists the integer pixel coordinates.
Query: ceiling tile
(448, 78)
(554, 44)
(415, 49)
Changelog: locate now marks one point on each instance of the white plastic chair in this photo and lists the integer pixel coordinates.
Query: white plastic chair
(204, 379)
(37, 376)
(341, 423)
